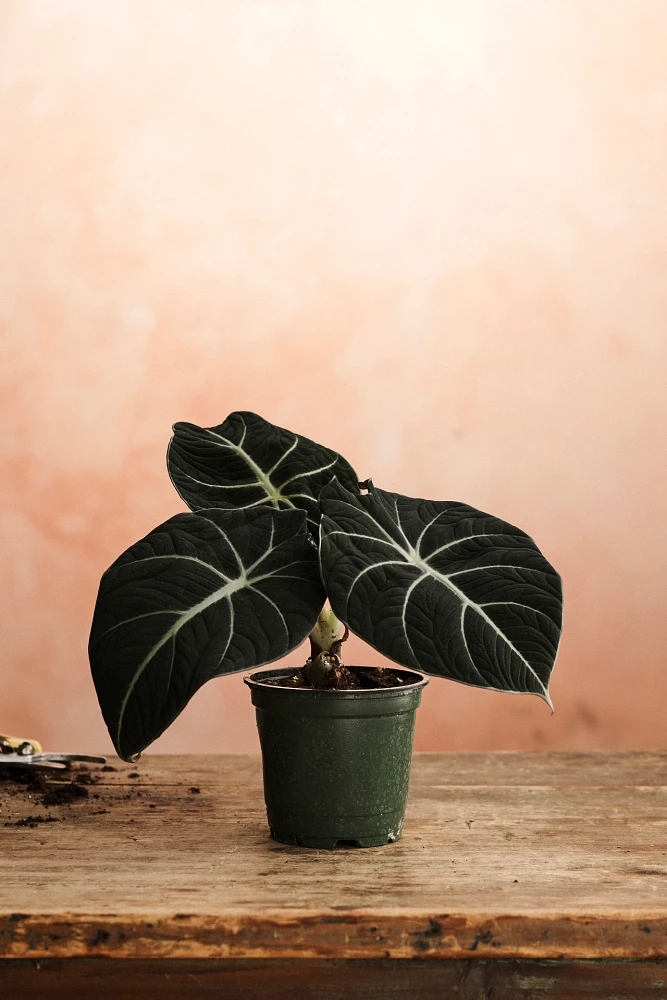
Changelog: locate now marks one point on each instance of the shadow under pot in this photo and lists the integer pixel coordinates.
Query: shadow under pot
(336, 763)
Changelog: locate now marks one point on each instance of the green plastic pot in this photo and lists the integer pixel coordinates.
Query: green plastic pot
(336, 763)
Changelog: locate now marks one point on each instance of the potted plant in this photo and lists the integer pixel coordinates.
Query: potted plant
(283, 543)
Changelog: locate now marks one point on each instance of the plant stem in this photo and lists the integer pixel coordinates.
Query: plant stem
(325, 643)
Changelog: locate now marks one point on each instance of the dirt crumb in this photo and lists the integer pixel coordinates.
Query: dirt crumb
(32, 821)
(33, 780)
(65, 794)
(85, 778)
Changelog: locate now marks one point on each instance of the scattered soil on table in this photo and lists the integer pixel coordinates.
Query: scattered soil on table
(33, 821)
(40, 780)
(85, 777)
(33, 780)
(65, 794)
(47, 788)
(349, 679)
(68, 790)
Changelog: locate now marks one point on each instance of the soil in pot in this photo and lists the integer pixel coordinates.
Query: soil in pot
(348, 679)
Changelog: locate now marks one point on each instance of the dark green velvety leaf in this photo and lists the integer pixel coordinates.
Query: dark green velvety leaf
(201, 595)
(246, 462)
(442, 587)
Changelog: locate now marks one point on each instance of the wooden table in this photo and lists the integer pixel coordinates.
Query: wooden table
(532, 875)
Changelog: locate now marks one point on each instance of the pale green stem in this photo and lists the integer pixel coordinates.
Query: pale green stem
(328, 632)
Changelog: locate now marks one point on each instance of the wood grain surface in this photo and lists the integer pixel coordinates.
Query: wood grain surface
(332, 979)
(504, 856)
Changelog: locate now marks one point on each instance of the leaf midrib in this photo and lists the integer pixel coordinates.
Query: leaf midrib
(222, 593)
(184, 617)
(412, 556)
(274, 493)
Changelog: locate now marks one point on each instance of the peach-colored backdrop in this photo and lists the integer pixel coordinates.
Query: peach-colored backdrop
(430, 234)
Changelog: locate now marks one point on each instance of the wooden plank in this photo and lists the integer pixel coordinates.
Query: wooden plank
(555, 769)
(506, 767)
(503, 856)
(393, 979)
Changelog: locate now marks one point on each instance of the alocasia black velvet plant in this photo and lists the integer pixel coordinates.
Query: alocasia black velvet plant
(279, 525)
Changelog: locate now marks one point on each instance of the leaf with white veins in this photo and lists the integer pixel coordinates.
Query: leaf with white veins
(201, 595)
(442, 587)
(247, 462)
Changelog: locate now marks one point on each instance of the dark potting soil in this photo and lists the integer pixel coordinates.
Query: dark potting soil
(32, 821)
(349, 679)
(54, 790)
(66, 790)
(63, 794)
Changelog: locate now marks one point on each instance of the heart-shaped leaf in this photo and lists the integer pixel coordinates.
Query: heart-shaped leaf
(201, 595)
(247, 461)
(442, 587)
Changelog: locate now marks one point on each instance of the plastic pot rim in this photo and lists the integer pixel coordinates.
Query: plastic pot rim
(255, 681)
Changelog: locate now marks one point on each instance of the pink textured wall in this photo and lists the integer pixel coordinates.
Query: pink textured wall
(432, 235)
